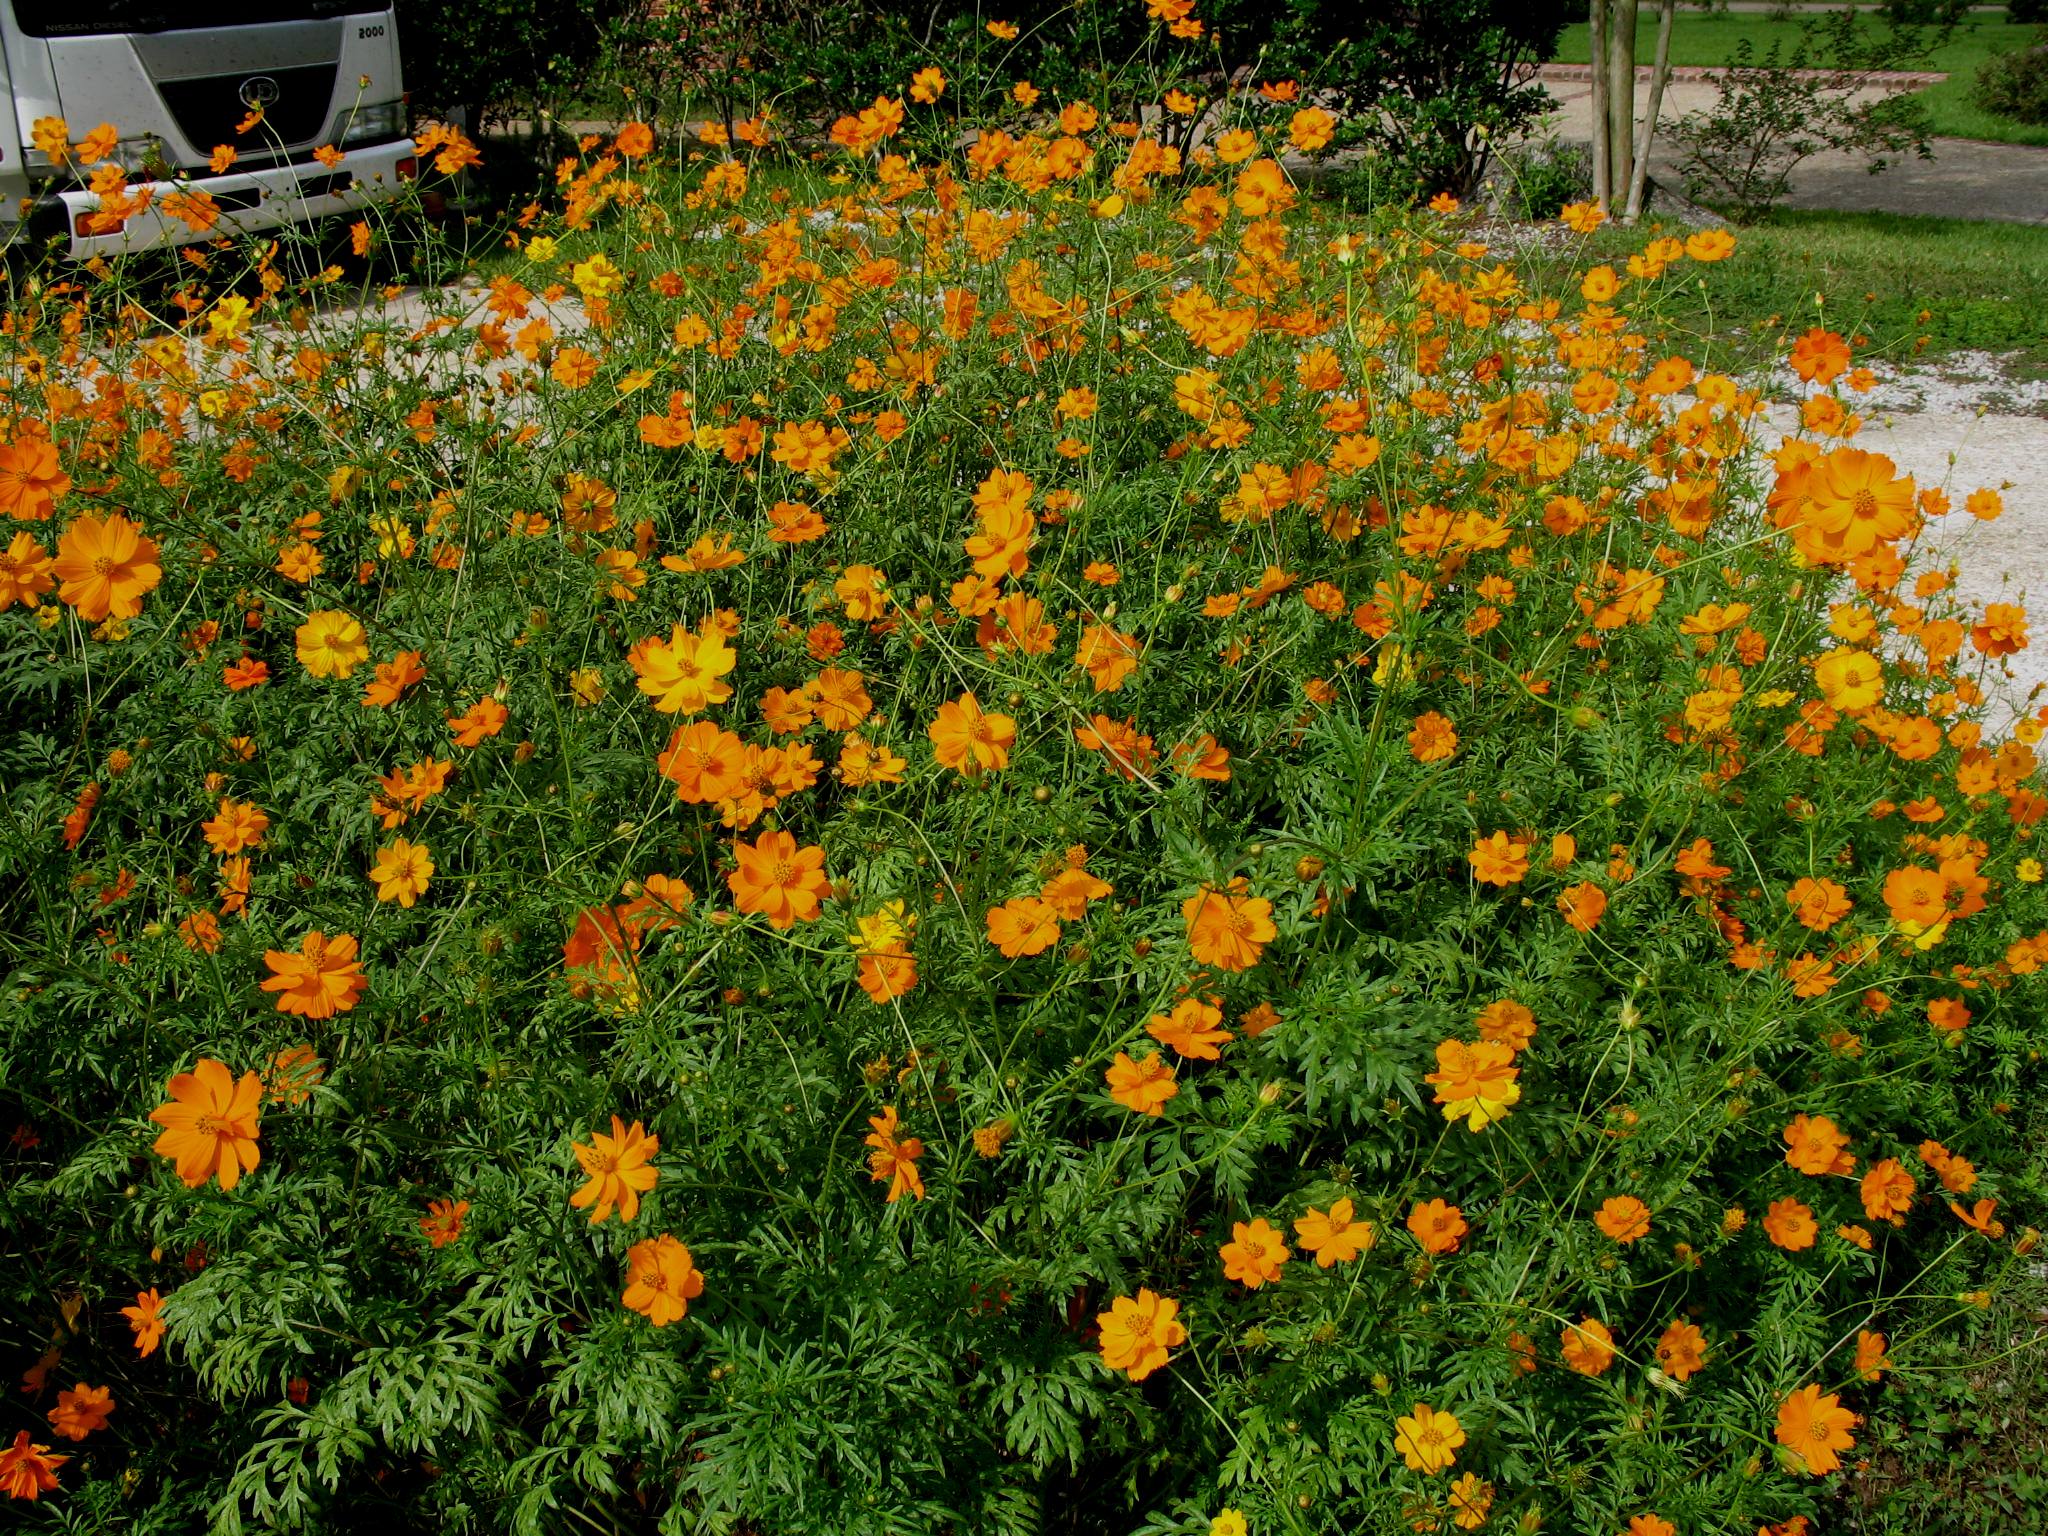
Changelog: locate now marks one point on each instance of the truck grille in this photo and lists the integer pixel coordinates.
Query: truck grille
(209, 108)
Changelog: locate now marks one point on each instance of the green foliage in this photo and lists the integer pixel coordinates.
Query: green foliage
(497, 57)
(2015, 85)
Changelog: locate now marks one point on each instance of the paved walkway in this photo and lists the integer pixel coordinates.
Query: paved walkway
(1966, 179)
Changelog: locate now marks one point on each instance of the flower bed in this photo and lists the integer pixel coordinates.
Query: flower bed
(917, 843)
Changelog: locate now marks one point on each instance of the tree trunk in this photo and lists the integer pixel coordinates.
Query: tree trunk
(1621, 95)
(1597, 25)
(1660, 72)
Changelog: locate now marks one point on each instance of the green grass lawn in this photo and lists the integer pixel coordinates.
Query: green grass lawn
(1711, 39)
(1980, 285)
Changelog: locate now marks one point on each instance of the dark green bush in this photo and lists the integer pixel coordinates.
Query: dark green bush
(2015, 85)
(485, 57)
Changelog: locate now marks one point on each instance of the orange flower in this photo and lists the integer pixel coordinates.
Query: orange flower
(81, 1410)
(1682, 1351)
(620, 1169)
(1948, 1014)
(1508, 1022)
(1958, 1174)
(1820, 356)
(235, 827)
(1813, 1426)
(1871, 1360)
(1139, 1332)
(1433, 739)
(1194, 1029)
(1438, 1227)
(321, 980)
(779, 879)
(1588, 1346)
(1475, 1083)
(661, 1280)
(105, 566)
(1023, 925)
(1790, 1225)
(1069, 892)
(1815, 1147)
(442, 1224)
(1143, 1086)
(1228, 929)
(1818, 904)
(1623, 1218)
(31, 479)
(840, 700)
(1978, 1217)
(1333, 1236)
(1255, 1253)
(245, 674)
(210, 1125)
(1887, 1191)
(1107, 655)
(1582, 905)
(894, 1162)
(391, 678)
(704, 761)
(25, 572)
(1499, 859)
(1203, 759)
(294, 1073)
(970, 742)
(146, 1319)
(27, 1470)
(1918, 898)
(1853, 502)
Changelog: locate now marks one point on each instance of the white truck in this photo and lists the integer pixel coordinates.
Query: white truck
(179, 78)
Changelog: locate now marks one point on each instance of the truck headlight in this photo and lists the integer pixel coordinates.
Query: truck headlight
(368, 121)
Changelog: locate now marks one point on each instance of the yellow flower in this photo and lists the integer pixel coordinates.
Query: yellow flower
(331, 644)
(685, 673)
(1427, 1440)
(401, 872)
(621, 1170)
(1850, 680)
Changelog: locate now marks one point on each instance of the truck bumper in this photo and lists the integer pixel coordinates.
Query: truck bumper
(249, 201)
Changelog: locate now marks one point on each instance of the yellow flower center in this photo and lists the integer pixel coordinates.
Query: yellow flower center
(103, 565)
(1864, 503)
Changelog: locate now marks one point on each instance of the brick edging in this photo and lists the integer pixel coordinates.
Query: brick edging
(1903, 79)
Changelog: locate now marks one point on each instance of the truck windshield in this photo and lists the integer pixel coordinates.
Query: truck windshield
(77, 18)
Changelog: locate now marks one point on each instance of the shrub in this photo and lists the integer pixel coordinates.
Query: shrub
(1429, 85)
(2015, 85)
(487, 58)
(1033, 838)
(1777, 109)
(1536, 181)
